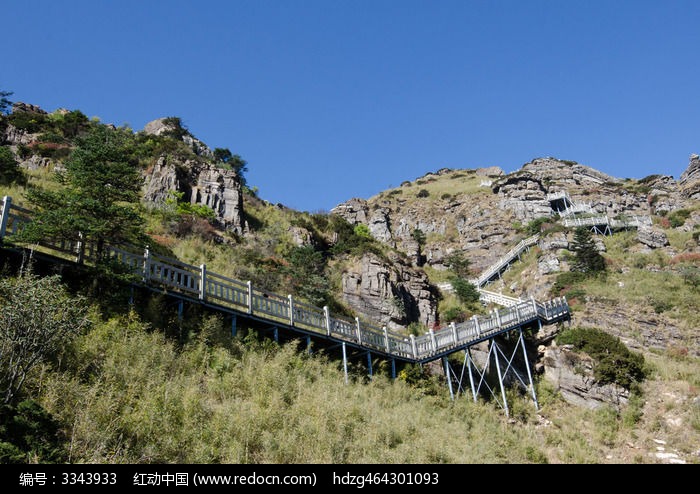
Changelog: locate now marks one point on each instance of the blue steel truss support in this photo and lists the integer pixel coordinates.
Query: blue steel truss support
(494, 345)
(369, 364)
(527, 367)
(449, 377)
(504, 366)
(234, 327)
(393, 368)
(308, 344)
(180, 309)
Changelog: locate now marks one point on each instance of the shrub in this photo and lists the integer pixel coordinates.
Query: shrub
(565, 281)
(613, 361)
(677, 218)
(362, 231)
(465, 291)
(29, 433)
(9, 168)
(422, 193)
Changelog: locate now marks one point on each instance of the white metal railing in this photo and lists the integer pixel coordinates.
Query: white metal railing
(214, 288)
(504, 261)
(498, 298)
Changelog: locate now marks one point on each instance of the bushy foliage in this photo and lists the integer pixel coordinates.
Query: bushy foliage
(28, 433)
(423, 193)
(10, 171)
(587, 259)
(677, 218)
(466, 292)
(614, 362)
(37, 317)
(458, 263)
(99, 200)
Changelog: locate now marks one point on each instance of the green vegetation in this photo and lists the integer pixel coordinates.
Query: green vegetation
(99, 200)
(587, 258)
(4, 102)
(677, 218)
(465, 291)
(10, 171)
(614, 362)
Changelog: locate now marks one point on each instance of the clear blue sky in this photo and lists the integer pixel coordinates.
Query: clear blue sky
(331, 99)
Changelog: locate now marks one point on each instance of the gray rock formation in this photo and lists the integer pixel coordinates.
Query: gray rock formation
(571, 373)
(393, 294)
(548, 264)
(166, 125)
(27, 108)
(353, 211)
(490, 171)
(379, 226)
(652, 237)
(300, 236)
(201, 183)
(690, 178)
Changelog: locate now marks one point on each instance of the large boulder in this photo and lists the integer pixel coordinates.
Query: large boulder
(571, 373)
(652, 237)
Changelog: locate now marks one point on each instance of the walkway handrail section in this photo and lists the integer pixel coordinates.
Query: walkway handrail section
(198, 282)
(498, 298)
(504, 261)
(625, 222)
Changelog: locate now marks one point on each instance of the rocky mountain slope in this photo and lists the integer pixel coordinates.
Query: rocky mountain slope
(388, 258)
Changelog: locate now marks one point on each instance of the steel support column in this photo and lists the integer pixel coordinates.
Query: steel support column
(448, 374)
(345, 362)
(500, 377)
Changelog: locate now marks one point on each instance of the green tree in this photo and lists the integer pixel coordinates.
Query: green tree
(587, 259)
(306, 274)
(99, 202)
(238, 164)
(465, 291)
(362, 230)
(9, 168)
(4, 102)
(458, 263)
(37, 317)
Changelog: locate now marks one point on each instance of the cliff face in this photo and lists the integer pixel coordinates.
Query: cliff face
(690, 179)
(201, 183)
(479, 211)
(392, 293)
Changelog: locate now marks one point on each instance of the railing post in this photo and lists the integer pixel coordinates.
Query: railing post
(476, 324)
(327, 314)
(291, 309)
(498, 317)
(359, 331)
(202, 281)
(454, 332)
(250, 297)
(386, 338)
(146, 264)
(6, 205)
(413, 347)
(517, 313)
(80, 254)
(534, 305)
(432, 339)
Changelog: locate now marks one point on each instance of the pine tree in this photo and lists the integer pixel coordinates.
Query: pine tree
(99, 202)
(587, 258)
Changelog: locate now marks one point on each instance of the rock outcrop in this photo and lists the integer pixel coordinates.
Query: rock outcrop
(690, 179)
(652, 237)
(172, 126)
(571, 373)
(392, 294)
(201, 183)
